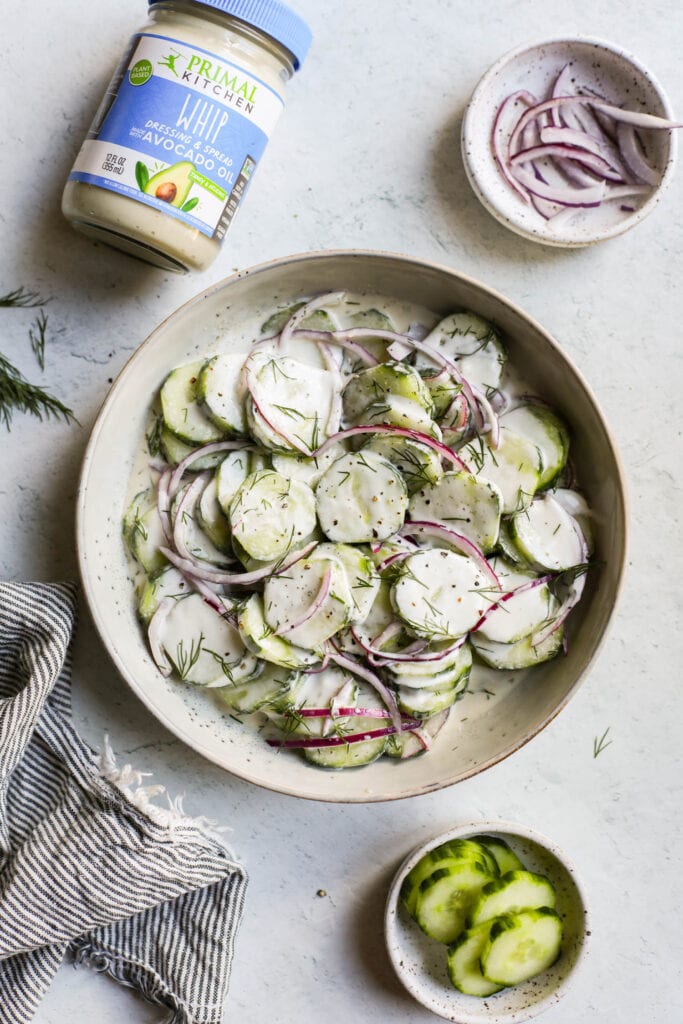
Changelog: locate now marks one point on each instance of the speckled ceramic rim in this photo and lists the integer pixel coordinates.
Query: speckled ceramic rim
(474, 828)
(90, 583)
(468, 127)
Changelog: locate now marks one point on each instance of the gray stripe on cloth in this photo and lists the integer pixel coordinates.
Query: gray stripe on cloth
(153, 899)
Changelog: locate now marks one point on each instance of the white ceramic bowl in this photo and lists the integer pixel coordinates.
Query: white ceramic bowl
(608, 70)
(229, 314)
(420, 962)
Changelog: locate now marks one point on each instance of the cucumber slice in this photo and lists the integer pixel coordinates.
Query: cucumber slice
(440, 594)
(446, 896)
(424, 673)
(547, 536)
(203, 646)
(361, 498)
(416, 742)
(401, 412)
(144, 534)
(351, 755)
(293, 398)
(211, 517)
(453, 852)
(175, 450)
(181, 410)
(289, 598)
(464, 968)
(270, 514)
(475, 346)
(577, 507)
(428, 701)
(417, 464)
(362, 578)
(230, 475)
(384, 381)
(303, 468)
(168, 583)
(318, 320)
(523, 654)
(514, 467)
(513, 892)
(268, 686)
(506, 859)
(463, 502)
(520, 946)
(442, 388)
(258, 637)
(433, 674)
(507, 547)
(521, 615)
(546, 430)
(189, 529)
(222, 391)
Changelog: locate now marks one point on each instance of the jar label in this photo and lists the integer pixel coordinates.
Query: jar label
(180, 129)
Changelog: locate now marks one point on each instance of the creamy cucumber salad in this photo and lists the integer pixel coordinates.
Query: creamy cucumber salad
(349, 519)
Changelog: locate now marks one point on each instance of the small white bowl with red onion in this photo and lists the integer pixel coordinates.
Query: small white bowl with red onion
(569, 142)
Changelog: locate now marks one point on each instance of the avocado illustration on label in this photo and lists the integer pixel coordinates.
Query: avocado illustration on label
(171, 185)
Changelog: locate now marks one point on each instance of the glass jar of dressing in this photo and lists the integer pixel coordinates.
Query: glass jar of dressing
(182, 127)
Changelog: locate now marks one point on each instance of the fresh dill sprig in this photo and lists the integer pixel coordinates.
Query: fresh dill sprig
(18, 394)
(22, 298)
(185, 660)
(599, 744)
(37, 334)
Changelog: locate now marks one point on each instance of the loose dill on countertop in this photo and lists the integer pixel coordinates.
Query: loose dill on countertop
(22, 298)
(16, 393)
(19, 395)
(37, 334)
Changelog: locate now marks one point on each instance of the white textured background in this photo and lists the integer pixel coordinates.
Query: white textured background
(367, 155)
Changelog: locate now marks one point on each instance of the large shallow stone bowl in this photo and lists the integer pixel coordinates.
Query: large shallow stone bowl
(228, 314)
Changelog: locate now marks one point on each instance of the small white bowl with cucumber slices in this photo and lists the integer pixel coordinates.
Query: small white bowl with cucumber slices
(486, 923)
(352, 526)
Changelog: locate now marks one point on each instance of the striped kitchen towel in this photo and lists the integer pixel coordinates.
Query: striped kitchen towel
(90, 868)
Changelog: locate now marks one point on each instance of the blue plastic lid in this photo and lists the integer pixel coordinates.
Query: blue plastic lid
(270, 16)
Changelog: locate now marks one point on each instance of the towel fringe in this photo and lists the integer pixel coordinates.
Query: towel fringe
(128, 781)
(146, 983)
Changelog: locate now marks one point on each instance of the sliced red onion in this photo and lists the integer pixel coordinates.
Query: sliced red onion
(199, 453)
(154, 630)
(388, 428)
(240, 579)
(345, 712)
(498, 133)
(387, 634)
(308, 743)
(398, 556)
(564, 196)
(553, 626)
(330, 299)
(570, 137)
(635, 117)
(407, 655)
(561, 87)
(323, 664)
(316, 604)
(456, 413)
(426, 528)
(634, 159)
(398, 351)
(489, 417)
(364, 673)
(594, 163)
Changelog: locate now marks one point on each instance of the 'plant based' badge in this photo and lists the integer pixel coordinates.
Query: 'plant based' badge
(140, 73)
